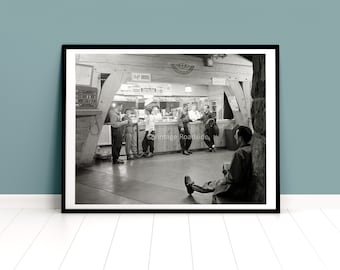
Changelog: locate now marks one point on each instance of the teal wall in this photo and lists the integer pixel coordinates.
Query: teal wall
(32, 32)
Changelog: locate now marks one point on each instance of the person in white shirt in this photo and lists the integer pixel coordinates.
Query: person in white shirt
(156, 113)
(148, 141)
(194, 114)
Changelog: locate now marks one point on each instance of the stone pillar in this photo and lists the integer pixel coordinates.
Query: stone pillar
(258, 115)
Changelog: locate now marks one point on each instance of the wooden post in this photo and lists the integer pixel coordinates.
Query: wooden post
(109, 89)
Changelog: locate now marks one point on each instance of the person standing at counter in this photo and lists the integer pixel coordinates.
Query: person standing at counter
(148, 141)
(208, 120)
(184, 132)
(117, 126)
(156, 113)
(130, 136)
(194, 114)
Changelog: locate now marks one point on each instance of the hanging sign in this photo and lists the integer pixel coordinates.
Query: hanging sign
(218, 81)
(141, 77)
(156, 89)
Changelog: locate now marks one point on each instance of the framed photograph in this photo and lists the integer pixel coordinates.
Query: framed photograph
(171, 128)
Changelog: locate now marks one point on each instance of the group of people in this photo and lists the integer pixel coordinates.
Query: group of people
(124, 127)
(235, 184)
(210, 127)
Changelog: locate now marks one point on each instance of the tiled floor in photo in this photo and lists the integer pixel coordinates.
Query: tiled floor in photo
(46, 239)
(154, 180)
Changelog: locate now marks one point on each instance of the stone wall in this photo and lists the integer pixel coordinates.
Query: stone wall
(258, 115)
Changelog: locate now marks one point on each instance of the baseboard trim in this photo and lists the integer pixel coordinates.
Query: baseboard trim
(38, 201)
(51, 201)
(315, 201)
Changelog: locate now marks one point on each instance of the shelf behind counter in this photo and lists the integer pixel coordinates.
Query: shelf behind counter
(167, 135)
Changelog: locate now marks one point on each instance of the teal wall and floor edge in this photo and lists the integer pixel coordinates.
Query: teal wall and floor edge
(32, 33)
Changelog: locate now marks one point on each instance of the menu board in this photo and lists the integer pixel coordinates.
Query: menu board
(155, 89)
(86, 97)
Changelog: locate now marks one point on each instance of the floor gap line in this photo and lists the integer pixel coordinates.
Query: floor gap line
(270, 243)
(35, 238)
(112, 239)
(231, 245)
(74, 237)
(307, 239)
(329, 219)
(11, 221)
(151, 240)
(190, 238)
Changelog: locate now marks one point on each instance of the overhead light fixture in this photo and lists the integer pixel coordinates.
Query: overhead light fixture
(187, 89)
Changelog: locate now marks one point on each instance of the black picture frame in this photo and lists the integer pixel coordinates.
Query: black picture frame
(66, 115)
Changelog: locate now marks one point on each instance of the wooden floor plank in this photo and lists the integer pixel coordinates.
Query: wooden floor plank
(249, 242)
(16, 240)
(211, 247)
(321, 233)
(334, 217)
(49, 249)
(46, 239)
(171, 247)
(289, 243)
(92, 242)
(133, 236)
(7, 216)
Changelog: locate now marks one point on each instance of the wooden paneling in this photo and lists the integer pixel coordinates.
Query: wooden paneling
(233, 63)
(87, 112)
(160, 67)
(168, 75)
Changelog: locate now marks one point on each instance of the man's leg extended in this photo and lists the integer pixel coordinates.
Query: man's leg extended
(207, 187)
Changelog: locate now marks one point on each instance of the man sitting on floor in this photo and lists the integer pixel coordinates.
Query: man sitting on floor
(235, 185)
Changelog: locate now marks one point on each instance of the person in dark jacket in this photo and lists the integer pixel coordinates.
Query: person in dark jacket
(184, 132)
(117, 126)
(208, 120)
(235, 186)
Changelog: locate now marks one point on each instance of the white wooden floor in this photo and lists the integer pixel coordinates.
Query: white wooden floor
(46, 239)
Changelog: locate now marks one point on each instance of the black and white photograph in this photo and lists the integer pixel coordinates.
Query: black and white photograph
(171, 128)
